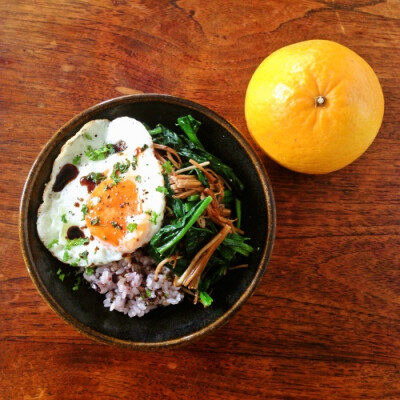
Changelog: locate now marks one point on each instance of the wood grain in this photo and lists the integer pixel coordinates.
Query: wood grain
(324, 324)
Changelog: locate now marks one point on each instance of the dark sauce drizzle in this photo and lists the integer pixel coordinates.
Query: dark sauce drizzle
(74, 232)
(89, 183)
(67, 174)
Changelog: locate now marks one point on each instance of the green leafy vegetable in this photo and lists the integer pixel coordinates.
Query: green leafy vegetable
(228, 197)
(237, 243)
(188, 206)
(190, 126)
(87, 136)
(177, 207)
(195, 239)
(202, 178)
(189, 147)
(168, 236)
(238, 207)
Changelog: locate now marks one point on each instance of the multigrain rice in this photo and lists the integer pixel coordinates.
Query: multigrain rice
(129, 285)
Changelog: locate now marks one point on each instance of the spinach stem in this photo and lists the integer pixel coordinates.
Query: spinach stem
(202, 206)
(156, 131)
(238, 206)
(193, 197)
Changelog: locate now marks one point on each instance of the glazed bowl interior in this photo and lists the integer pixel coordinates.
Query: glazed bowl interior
(168, 325)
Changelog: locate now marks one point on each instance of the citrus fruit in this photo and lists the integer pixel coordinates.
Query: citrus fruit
(314, 106)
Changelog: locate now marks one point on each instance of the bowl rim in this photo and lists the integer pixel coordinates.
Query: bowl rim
(48, 148)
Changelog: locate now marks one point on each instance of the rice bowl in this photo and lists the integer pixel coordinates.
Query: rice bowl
(181, 323)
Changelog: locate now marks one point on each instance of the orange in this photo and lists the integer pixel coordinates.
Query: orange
(314, 106)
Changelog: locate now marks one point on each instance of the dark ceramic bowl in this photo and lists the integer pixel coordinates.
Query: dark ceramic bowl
(171, 325)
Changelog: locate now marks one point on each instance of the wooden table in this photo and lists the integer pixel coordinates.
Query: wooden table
(325, 321)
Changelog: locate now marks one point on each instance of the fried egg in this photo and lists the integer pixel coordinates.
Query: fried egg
(105, 197)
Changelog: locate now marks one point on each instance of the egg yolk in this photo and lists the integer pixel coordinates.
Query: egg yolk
(109, 206)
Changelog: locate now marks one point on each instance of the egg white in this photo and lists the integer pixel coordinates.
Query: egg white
(68, 202)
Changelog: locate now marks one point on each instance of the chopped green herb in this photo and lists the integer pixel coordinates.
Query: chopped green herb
(145, 147)
(134, 162)
(60, 274)
(96, 177)
(166, 294)
(162, 189)
(148, 212)
(167, 167)
(153, 218)
(61, 277)
(66, 256)
(115, 225)
(119, 168)
(148, 292)
(123, 167)
(138, 178)
(52, 243)
(89, 271)
(73, 263)
(132, 227)
(87, 136)
(99, 154)
(95, 221)
(64, 218)
(76, 160)
(84, 255)
(77, 284)
(84, 210)
(76, 242)
(205, 299)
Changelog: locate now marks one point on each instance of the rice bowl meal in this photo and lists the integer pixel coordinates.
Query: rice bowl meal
(145, 217)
